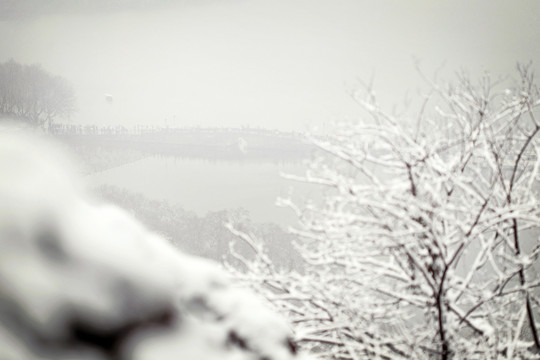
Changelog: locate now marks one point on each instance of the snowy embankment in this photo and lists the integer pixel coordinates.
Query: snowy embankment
(82, 280)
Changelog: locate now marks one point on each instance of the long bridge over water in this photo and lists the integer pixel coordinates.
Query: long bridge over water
(106, 147)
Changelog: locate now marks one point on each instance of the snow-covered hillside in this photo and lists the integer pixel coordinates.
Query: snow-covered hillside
(82, 280)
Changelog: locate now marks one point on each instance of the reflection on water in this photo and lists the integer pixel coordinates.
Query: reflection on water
(202, 185)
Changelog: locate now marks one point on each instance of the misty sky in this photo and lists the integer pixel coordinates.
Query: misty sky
(284, 64)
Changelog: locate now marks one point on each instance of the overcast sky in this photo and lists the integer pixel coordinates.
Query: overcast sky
(283, 64)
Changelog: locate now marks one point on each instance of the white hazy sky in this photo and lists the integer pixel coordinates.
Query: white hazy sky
(284, 64)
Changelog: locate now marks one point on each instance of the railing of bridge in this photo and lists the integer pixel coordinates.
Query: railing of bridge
(93, 130)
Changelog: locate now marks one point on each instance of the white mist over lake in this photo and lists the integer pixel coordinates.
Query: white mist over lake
(274, 64)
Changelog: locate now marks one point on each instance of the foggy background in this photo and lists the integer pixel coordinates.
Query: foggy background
(280, 64)
(250, 67)
(188, 113)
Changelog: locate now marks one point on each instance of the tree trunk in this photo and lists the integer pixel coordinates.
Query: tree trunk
(523, 281)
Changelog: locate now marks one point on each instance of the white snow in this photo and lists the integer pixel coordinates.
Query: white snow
(84, 280)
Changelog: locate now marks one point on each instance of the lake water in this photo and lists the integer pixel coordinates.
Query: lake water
(203, 185)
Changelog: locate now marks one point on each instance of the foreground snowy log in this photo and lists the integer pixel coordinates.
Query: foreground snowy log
(79, 280)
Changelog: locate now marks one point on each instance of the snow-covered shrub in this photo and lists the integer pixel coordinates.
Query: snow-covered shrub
(426, 244)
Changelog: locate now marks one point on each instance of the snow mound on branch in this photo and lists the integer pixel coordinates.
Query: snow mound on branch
(80, 280)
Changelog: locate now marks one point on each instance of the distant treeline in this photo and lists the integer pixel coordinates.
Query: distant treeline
(30, 94)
